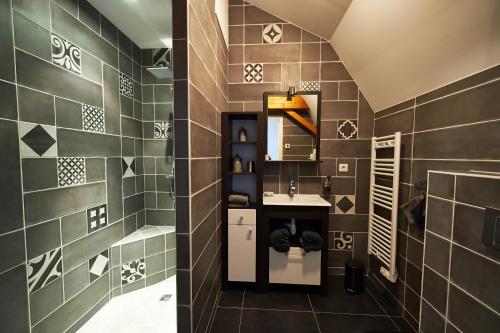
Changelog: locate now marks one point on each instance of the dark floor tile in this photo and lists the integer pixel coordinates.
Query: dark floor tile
(341, 323)
(226, 321)
(231, 298)
(277, 300)
(277, 322)
(339, 301)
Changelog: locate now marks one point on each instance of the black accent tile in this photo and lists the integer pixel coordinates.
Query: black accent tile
(439, 216)
(226, 321)
(478, 191)
(32, 37)
(10, 177)
(41, 75)
(441, 185)
(14, 313)
(461, 308)
(277, 322)
(343, 323)
(340, 301)
(435, 290)
(477, 275)
(97, 218)
(437, 254)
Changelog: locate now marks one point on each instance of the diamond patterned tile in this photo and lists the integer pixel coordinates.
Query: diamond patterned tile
(70, 170)
(128, 168)
(37, 140)
(93, 118)
(345, 204)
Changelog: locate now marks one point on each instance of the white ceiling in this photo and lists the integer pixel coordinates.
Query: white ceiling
(146, 23)
(320, 17)
(396, 50)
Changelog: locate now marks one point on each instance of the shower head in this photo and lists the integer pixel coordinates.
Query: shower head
(162, 72)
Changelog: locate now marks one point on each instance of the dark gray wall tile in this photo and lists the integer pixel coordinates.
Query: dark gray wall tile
(95, 169)
(8, 101)
(36, 73)
(35, 106)
(431, 320)
(32, 37)
(68, 113)
(437, 254)
(114, 188)
(42, 238)
(439, 216)
(442, 185)
(91, 67)
(133, 204)
(89, 15)
(13, 287)
(74, 226)
(10, 178)
(36, 10)
(482, 192)
(33, 167)
(7, 49)
(45, 300)
(42, 206)
(13, 244)
(111, 100)
(435, 290)
(78, 143)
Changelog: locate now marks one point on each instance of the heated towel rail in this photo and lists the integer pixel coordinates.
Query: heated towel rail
(383, 211)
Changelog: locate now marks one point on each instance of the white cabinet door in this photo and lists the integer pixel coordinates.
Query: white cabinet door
(241, 253)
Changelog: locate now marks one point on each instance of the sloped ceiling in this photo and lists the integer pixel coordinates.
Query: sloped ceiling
(320, 17)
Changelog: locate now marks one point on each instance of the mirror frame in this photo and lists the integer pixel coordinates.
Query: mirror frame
(318, 136)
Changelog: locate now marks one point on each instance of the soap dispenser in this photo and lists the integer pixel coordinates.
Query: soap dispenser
(237, 164)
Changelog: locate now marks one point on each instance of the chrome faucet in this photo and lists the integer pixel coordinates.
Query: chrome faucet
(291, 188)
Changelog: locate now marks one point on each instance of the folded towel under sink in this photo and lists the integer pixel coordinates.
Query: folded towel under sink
(280, 240)
(311, 240)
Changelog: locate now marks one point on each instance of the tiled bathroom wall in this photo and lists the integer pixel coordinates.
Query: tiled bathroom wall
(72, 177)
(455, 127)
(460, 272)
(267, 54)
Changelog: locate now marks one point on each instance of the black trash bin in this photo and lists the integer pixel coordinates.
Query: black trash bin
(354, 277)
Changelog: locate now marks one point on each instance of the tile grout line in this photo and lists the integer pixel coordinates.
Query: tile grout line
(314, 314)
(241, 313)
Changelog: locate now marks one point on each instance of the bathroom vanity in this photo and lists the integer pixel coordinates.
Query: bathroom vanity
(286, 131)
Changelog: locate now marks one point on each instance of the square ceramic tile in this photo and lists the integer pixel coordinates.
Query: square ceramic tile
(347, 129)
(272, 33)
(162, 57)
(128, 166)
(133, 271)
(345, 204)
(163, 130)
(126, 86)
(93, 118)
(37, 140)
(253, 73)
(44, 269)
(309, 86)
(96, 218)
(66, 54)
(342, 240)
(98, 265)
(70, 170)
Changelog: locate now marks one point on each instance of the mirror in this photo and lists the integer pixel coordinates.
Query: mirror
(292, 126)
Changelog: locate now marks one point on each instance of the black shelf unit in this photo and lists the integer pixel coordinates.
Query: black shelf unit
(252, 183)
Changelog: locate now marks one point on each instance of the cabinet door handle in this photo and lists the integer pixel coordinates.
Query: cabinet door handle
(241, 220)
(249, 230)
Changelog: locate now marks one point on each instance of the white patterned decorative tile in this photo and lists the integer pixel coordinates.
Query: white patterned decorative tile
(93, 118)
(66, 54)
(162, 57)
(347, 129)
(44, 269)
(98, 265)
(272, 33)
(342, 240)
(97, 218)
(133, 271)
(128, 166)
(345, 204)
(37, 140)
(126, 86)
(163, 130)
(309, 86)
(70, 170)
(253, 73)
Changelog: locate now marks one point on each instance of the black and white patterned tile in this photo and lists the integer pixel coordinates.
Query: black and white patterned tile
(98, 265)
(97, 218)
(162, 57)
(128, 167)
(347, 129)
(309, 86)
(342, 240)
(253, 73)
(163, 130)
(70, 171)
(272, 33)
(345, 204)
(66, 54)
(44, 269)
(93, 118)
(126, 86)
(37, 140)
(133, 271)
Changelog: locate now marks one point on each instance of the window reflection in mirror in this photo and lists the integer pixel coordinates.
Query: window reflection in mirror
(292, 127)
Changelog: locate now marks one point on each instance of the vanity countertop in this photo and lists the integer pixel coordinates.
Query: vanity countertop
(297, 200)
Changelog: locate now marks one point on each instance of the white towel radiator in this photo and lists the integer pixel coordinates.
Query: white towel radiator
(384, 188)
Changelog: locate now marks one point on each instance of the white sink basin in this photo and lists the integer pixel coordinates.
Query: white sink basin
(297, 200)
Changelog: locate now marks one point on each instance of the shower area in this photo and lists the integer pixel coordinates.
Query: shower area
(88, 196)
